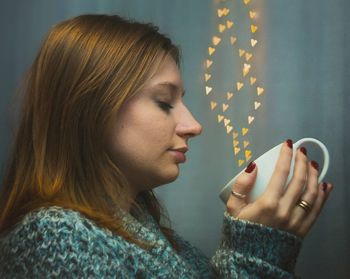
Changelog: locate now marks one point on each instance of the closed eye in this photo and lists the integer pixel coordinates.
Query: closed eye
(165, 106)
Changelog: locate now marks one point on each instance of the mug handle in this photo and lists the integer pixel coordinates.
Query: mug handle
(325, 154)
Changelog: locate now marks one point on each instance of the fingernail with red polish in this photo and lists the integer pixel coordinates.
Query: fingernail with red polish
(290, 143)
(314, 164)
(250, 167)
(324, 186)
(303, 150)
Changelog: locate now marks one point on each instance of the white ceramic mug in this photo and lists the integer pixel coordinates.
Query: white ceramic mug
(266, 165)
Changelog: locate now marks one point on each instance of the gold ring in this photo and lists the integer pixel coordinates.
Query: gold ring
(304, 205)
(238, 195)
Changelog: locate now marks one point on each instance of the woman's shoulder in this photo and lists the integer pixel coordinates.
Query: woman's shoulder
(59, 242)
(50, 225)
(57, 239)
(53, 217)
(52, 214)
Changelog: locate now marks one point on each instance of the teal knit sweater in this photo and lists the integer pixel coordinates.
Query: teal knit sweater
(60, 243)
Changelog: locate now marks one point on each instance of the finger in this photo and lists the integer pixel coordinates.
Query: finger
(280, 175)
(241, 189)
(298, 181)
(300, 208)
(311, 192)
(324, 190)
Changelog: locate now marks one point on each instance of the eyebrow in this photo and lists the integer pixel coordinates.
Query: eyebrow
(173, 87)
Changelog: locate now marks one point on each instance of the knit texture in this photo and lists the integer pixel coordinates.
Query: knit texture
(61, 243)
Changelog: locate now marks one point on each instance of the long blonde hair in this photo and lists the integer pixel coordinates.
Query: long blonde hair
(86, 69)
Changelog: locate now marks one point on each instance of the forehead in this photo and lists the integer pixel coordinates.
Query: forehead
(166, 75)
(168, 72)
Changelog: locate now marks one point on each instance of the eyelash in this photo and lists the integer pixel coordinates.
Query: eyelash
(165, 106)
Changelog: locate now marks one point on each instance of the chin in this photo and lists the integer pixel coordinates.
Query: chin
(173, 178)
(167, 178)
(173, 174)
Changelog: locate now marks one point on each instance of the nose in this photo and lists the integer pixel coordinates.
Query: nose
(187, 125)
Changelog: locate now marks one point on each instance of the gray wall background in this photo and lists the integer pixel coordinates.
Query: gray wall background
(303, 65)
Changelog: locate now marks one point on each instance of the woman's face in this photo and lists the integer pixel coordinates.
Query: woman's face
(150, 135)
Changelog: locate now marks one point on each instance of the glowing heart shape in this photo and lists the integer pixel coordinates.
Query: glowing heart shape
(239, 85)
(208, 90)
(221, 28)
(233, 40)
(229, 95)
(220, 118)
(253, 28)
(211, 50)
(253, 42)
(216, 40)
(229, 23)
(224, 107)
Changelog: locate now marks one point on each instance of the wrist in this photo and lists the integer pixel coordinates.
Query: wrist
(271, 245)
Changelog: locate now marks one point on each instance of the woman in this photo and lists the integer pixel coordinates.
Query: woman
(103, 123)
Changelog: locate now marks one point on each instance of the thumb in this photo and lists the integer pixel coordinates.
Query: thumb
(241, 189)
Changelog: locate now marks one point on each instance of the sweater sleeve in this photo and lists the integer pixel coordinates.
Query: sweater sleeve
(250, 250)
(56, 246)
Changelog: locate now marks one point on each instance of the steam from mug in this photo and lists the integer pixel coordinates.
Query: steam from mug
(266, 165)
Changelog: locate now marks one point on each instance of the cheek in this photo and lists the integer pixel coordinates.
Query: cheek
(162, 131)
(156, 134)
(139, 139)
(143, 130)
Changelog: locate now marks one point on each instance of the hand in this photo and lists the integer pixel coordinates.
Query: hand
(277, 206)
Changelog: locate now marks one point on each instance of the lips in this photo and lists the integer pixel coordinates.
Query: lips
(179, 154)
(183, 149)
